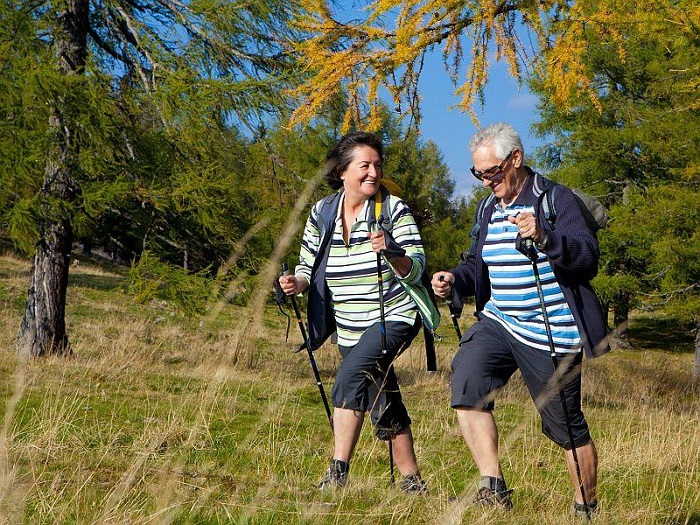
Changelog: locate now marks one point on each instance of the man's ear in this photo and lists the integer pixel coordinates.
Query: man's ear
(518, 158)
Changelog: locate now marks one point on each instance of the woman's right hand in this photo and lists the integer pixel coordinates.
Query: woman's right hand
(291, 285)
(442, 284)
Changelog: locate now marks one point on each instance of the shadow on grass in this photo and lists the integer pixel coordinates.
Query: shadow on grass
(114, 275)
(689, 519)
(660, 333)
(9, 273)
(655, 384)
(96, 282)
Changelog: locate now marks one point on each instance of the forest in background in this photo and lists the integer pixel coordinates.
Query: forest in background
(183, 138)
(157, 162)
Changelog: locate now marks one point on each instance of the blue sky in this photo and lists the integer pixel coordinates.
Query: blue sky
(451, 129)
(446, 125)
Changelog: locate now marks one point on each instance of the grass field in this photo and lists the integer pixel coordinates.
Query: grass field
(159, 419)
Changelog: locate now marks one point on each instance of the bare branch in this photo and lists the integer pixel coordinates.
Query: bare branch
(667, 297)
(107, 47)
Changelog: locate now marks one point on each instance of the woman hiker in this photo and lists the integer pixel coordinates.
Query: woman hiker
(338, 266)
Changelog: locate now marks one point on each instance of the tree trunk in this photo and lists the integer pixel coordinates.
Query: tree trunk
(43, 327)
(621, 311)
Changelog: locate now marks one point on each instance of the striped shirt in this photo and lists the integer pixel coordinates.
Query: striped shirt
(351, 271)
(514, 298)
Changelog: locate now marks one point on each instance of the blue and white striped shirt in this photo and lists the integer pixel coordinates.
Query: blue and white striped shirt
(514, 299)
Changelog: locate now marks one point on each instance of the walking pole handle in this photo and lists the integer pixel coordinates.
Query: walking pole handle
(530, 252)
(295, 305)
(448, 300)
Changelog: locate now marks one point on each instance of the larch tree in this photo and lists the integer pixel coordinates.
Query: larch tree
(206, 62)
(383, 45)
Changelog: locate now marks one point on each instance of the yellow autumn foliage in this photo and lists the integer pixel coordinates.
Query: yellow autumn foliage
(384, 45)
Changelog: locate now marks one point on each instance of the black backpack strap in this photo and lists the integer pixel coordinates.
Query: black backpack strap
(550, 210)
(542, 185)
(429, 335)
(430, 357)
(476, 227)
(386, 212)
(383, 209)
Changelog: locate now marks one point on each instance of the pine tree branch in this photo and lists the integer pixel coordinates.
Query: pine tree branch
(108, 48)
(667, 297)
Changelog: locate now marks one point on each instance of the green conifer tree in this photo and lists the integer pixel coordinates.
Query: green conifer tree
(638, 138)
(76, 77)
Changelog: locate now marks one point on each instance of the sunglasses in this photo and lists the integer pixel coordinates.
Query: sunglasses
(493, 174)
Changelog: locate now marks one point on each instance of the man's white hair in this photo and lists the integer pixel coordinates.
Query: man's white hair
(501, 136)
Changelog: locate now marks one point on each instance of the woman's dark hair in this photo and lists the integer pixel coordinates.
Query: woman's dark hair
(339, 158)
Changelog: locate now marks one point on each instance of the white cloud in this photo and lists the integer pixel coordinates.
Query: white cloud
(523, 101)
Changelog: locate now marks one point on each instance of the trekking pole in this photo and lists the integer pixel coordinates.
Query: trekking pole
(532, 255)
(380, 284)
(304, 335)
(382, 335)
(453, 314)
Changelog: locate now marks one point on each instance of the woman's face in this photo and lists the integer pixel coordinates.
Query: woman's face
(361, 177)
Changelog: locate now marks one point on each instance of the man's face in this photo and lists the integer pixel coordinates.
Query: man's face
(497, 174)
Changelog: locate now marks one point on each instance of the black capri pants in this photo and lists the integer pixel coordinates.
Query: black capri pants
(366, 381)
(489, 355)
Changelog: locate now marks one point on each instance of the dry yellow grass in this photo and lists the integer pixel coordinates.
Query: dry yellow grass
(160, 419)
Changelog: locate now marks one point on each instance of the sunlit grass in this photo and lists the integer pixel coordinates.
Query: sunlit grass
(161, 419)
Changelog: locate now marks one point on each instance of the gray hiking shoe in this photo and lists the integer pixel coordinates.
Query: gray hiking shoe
(413, 484)
(584, 511)
(336, 476)
(487, 497)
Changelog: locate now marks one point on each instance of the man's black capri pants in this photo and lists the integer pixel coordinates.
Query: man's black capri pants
(489, 355)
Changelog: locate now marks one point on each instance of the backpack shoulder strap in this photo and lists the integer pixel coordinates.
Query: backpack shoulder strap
(381, 208)
(479, 215)
(476, 227)
(592, 209)
(326, 214)
(543, 185)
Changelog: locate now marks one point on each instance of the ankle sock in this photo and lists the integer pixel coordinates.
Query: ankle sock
(340, 466)
(495, 484)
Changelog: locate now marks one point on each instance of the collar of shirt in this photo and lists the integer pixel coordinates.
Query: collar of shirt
(526, 197)
(362, 216)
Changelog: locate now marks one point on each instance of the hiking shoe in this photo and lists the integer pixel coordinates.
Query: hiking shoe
(487, 497)
(584, 511)
(413, 484)
(336, 476)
